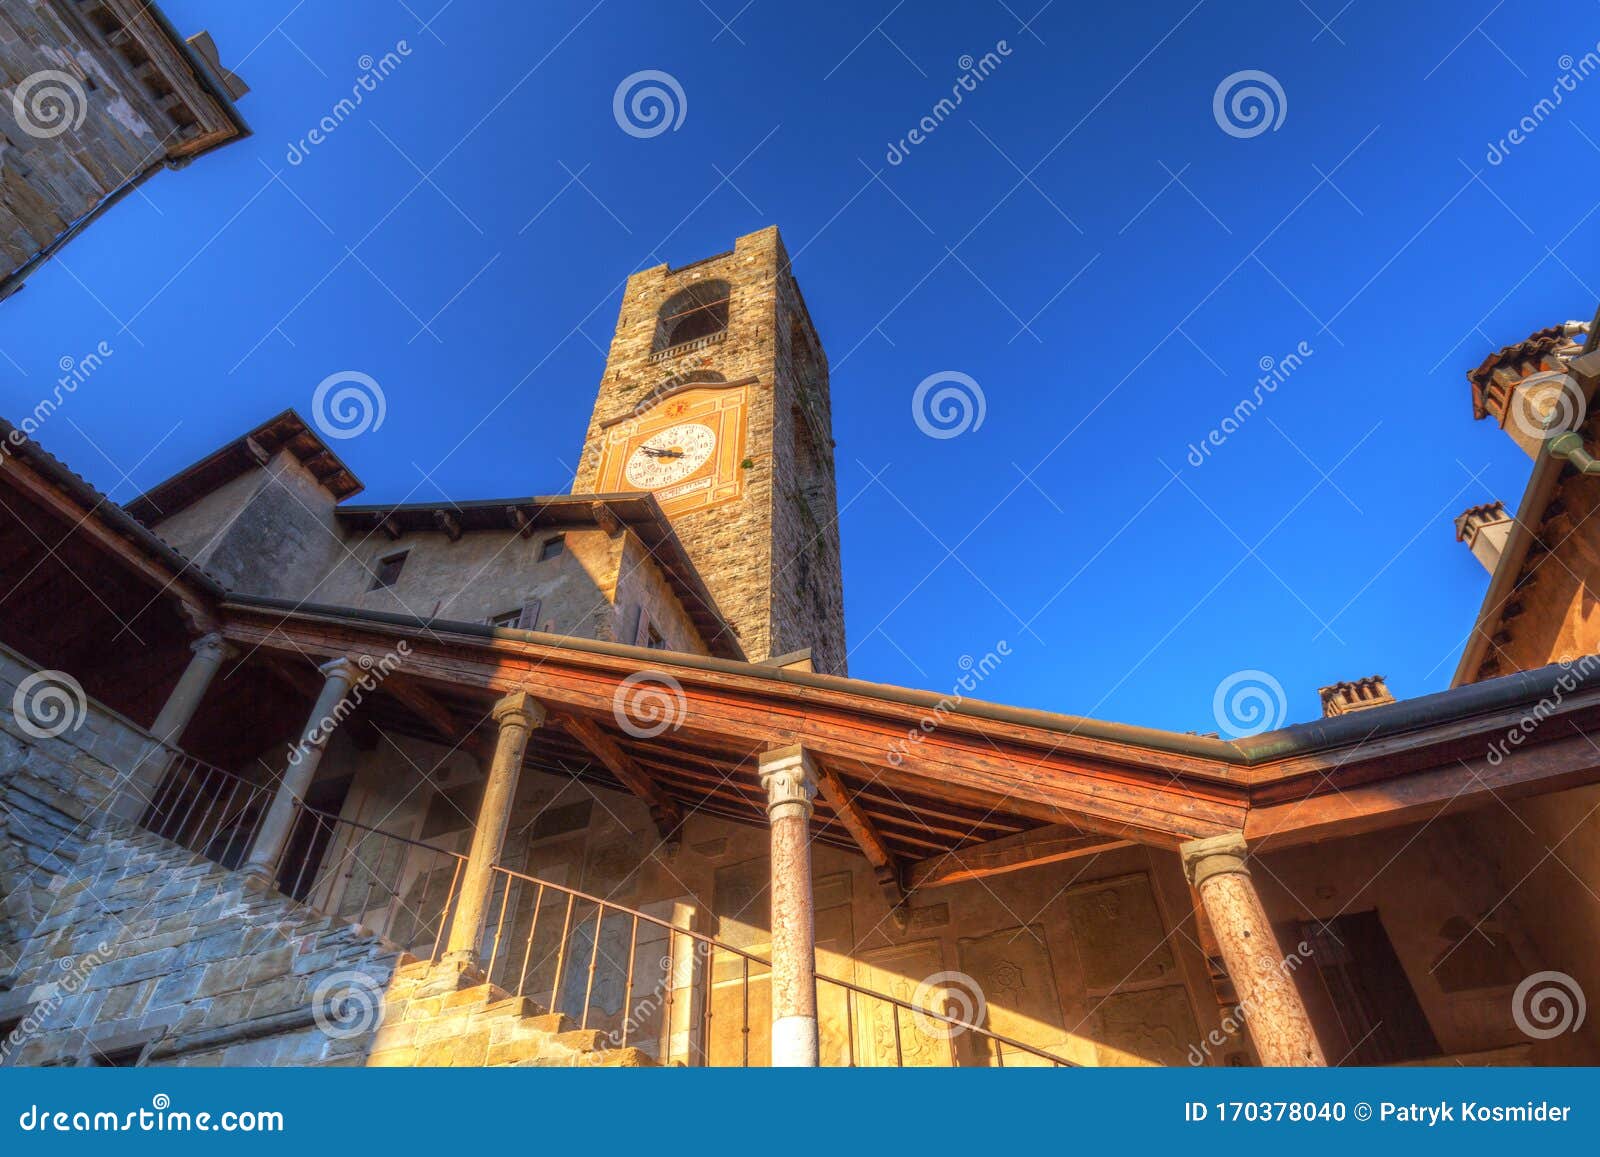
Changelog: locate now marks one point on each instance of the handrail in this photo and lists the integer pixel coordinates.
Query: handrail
(954, 1022)
(188, 782)
(627, 911)
(335, 817)
(326, 877)
(748, 958)
(322, 891)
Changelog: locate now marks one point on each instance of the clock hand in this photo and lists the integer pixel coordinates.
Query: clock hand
(654, 453)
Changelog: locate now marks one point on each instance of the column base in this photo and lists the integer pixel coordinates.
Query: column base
(451, 973)
(259, 879)
(794, 1042)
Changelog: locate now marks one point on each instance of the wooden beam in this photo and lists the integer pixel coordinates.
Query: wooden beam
(1153, 796)
(1502, 773)
(300, 677)
(446, 522)
(885, 867)
(438, 716)
(520, 517)
(594, 738)
(606, 519)
(1032, 849)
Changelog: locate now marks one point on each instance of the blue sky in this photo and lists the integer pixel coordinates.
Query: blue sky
(1081, 237)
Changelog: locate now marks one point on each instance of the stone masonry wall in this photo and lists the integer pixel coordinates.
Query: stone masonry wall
(94, 120)
(150, 947)
(270, 531)
(749, 551)
(53, 793)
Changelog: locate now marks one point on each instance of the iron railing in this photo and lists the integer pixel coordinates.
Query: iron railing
(931, 1028)
(400, 888)
(206, 810)
(595, 947)
(641, 979)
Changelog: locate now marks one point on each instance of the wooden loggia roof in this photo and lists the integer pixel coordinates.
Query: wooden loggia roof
(981, 770)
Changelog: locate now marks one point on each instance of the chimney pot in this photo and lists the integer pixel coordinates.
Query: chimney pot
(1354, 695)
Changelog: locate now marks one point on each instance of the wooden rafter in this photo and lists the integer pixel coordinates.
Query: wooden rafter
(885, 866)
(608, 752)
(422, 703)
(1031, 849)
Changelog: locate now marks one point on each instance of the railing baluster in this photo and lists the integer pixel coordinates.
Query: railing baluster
(444, 912)
(744, 1032)
(169, 830)
(850, 1029)
(627, 987)
(205, 776)
(667, 1005)
(594, 955)
(215, 793)
(233, 794)
(899, 1057)
(561, 955)
(527, 953)
(499, 929)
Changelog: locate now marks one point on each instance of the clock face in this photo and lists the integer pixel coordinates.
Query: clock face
(670, 455)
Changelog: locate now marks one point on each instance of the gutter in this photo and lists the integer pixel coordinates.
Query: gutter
(1522, 689)
(1536, 496)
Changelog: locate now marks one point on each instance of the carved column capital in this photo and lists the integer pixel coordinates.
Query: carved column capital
(1215, 856)
(519, 709)
(340, 670)
(210, 648)
(790, 779)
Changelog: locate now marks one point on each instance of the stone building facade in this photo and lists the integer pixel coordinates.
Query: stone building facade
(96, 96)
(533, 780)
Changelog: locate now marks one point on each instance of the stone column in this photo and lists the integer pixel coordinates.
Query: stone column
(143, 781)
(790, 779)
(1268, 999)
(209, 651)
(297, 776)
(517, 714)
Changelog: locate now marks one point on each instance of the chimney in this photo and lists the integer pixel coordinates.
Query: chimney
(1356, 695)
(1525, 387)
(1485, 530)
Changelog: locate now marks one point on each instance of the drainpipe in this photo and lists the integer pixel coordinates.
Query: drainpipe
(1570, 447)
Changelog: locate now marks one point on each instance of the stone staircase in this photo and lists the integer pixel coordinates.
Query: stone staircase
(150, 947)
(437, 1016)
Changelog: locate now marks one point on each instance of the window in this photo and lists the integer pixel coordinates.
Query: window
(701, 311)
(523, 618)
(653, 639)
(552, 547)
(388, 572)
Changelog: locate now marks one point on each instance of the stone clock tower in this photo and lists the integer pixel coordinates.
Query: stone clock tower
(715, 399)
